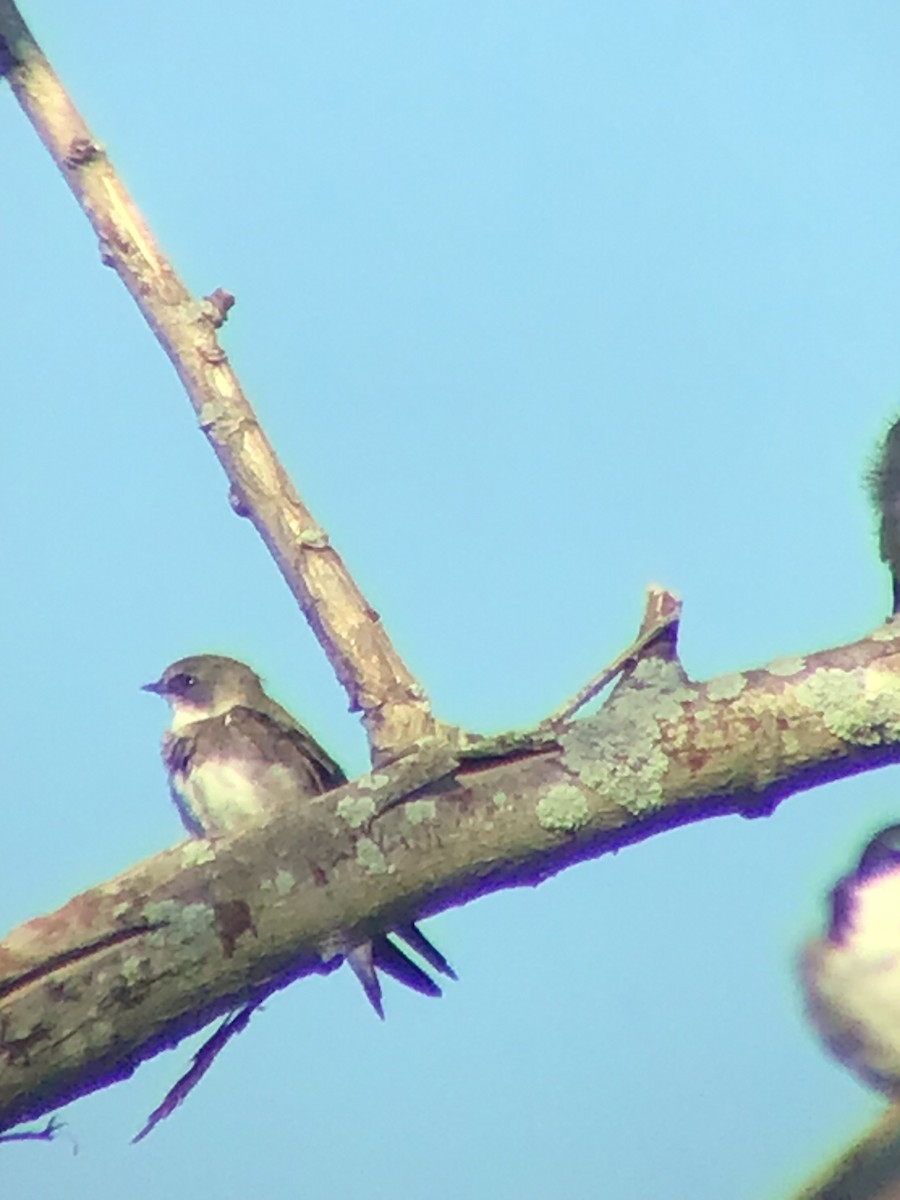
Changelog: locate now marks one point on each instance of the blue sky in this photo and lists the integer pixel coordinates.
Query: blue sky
(539, 303)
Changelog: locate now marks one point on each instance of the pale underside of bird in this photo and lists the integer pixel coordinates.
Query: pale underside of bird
(851, 976)
(235, 757)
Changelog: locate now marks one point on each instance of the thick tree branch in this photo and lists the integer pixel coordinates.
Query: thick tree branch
(226, 923)
(394, 707)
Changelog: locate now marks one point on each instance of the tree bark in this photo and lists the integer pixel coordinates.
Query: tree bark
(135, 964)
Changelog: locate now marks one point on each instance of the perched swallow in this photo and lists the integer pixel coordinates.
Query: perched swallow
(235, 757)
(851, 977)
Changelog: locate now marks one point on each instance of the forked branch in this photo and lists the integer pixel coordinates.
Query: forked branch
(395, 710)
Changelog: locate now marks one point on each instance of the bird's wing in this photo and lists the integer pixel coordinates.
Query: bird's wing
(255, 737)
(303, 743)
(279, 737)
(177, 752)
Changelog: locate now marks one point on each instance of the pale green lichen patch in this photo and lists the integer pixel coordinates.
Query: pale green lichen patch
(662, 684)
(785, 667)
(284, 882)
(563, 809)
(499, 799)
(417, 812)
(188, 925)
(372, 782)
(369, 856)
(792, 745)
(356, 810)
(618, 751)
(135, 968)
(726, 687)
(315, 539)
(861, 706)
(196, 852)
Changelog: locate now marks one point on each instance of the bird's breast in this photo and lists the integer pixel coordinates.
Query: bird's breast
(224, 795)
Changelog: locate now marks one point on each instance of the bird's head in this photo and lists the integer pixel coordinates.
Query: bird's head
(206, 685)
(871, 889)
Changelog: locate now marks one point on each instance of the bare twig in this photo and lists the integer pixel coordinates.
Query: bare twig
(46, 1134)
(662, 612)
(394, 707)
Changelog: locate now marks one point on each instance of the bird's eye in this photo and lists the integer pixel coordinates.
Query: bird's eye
(183, 683)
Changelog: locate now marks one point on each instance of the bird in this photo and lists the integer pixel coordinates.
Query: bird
(235, 757)
(851, 976)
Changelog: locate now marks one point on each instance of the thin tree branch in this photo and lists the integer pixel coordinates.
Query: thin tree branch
(47, 1134)
(395, 709)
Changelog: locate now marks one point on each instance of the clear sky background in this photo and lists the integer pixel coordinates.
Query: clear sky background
(539, 303)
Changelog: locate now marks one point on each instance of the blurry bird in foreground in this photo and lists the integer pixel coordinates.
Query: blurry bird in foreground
(235, 757)
(851, 976)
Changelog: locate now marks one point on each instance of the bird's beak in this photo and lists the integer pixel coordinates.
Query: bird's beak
(158, 687)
